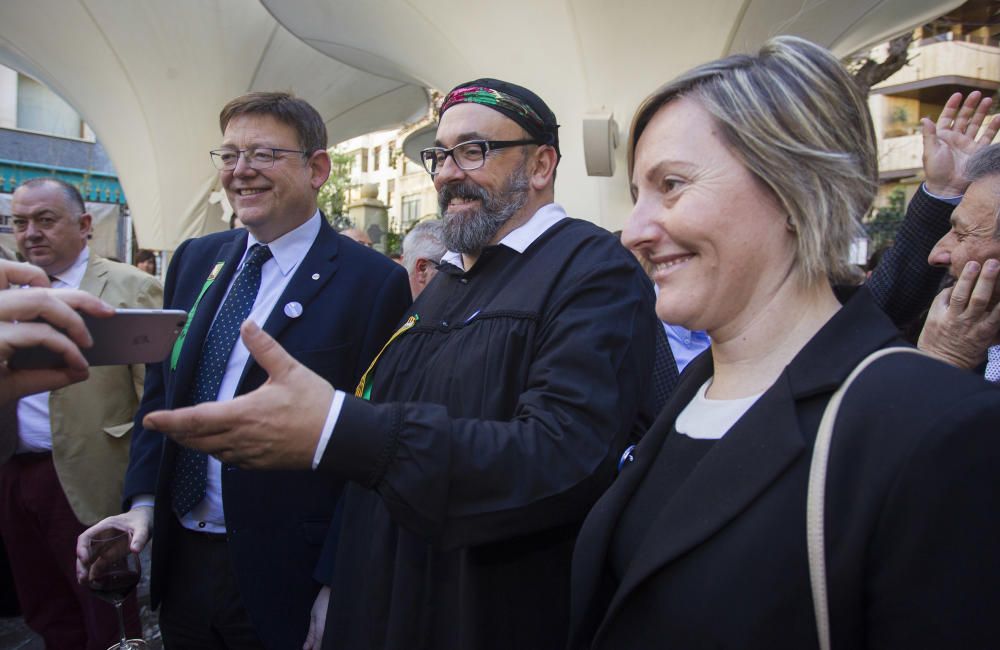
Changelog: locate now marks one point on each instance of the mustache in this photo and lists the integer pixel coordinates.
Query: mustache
(461, 190)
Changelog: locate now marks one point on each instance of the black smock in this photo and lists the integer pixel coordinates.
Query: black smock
(495, 424)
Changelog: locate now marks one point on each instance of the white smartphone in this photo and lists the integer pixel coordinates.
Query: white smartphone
(129, 336)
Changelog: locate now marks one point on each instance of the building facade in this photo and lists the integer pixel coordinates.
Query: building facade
(405, 188)
(959, 52)
(42, 135)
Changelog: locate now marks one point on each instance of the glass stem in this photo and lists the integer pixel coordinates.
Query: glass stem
(121, 624)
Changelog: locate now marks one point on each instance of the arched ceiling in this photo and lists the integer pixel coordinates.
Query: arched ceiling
(581, 56)
(151, 76)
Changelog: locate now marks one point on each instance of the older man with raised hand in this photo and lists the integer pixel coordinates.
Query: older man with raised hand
(72, 443)
(236, 561)
(963, 326)
(497, 412)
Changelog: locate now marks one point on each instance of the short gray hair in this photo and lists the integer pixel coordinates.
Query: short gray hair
(424, 241)
(983, 163)
(795, 118)
(74, 200)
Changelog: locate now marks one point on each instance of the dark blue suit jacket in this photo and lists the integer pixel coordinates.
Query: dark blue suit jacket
(276, 522)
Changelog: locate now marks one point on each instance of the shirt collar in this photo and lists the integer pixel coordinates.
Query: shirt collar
(289, 249)
(524, 235)
(73, 276)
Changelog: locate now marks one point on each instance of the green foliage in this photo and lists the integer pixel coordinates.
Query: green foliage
(333, 195)
(393, 243)
(899, 115)
(885, 222)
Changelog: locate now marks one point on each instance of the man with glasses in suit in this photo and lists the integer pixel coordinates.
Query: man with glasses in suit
(237, 554)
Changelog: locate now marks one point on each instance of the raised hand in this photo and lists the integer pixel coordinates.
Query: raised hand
(949, 143)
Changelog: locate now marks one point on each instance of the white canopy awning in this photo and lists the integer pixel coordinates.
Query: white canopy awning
(150, 77)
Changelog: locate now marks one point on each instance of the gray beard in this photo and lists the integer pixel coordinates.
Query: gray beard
(469, 233)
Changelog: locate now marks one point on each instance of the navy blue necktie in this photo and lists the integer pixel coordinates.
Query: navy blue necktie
(191, 470)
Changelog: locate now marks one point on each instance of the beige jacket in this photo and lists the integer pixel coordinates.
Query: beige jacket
(92, 420)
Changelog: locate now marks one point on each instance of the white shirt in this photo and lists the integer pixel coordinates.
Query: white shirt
(33, 421)
(711, 419)
(288, 251)
(518, 239)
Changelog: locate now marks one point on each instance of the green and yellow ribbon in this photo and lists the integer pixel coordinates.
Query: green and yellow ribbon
(179, 343)
(364, 389)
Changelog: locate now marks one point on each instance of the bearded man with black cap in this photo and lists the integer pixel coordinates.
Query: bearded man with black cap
(491, 421)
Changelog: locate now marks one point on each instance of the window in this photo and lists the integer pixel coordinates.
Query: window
(40, 109)
(376, 158)
(411, 209)
(364, 160)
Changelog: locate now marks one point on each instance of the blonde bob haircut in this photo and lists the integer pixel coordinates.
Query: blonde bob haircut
(795, 118)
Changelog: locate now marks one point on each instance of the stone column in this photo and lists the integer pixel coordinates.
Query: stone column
(371, 215)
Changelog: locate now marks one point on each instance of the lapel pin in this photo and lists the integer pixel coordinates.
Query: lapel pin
(315, 276)
(293, 309)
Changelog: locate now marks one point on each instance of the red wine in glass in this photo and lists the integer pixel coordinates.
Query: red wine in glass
(115, 586)
(114, 573)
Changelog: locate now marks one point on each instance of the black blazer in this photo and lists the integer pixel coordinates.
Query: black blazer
(912, 501)
(277, 521)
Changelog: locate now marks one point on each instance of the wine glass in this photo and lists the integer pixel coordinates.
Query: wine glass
(114, 573)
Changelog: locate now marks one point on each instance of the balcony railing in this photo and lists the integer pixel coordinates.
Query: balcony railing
(948, 59)
(97, 187)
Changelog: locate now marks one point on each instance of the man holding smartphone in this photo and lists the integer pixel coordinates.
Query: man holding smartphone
(64, 462)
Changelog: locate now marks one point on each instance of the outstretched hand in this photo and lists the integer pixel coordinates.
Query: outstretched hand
(276, 426)
(964, 320)
(953, 139)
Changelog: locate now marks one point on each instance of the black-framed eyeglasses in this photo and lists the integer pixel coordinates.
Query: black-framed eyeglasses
(256, 157)
(467, 155)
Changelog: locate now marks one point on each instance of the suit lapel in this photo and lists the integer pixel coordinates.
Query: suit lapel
(230, 254)
(314, 272)
(94, 282)
(95, 278)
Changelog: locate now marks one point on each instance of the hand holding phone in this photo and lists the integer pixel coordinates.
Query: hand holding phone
(129, 336)
(49, 319)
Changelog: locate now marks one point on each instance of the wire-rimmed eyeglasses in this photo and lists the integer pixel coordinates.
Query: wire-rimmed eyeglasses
(467, 155)
(256, 157)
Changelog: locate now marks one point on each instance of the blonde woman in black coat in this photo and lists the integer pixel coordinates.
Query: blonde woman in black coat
(750, 176)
